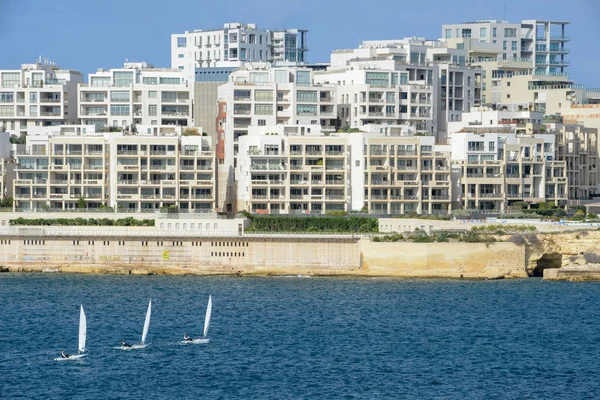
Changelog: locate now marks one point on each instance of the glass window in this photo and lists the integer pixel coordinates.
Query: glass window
(303, 78)
(152, 110)
(306, 96)
(259, 77)
(514, 46)
(152, 94)
(242, 54)
(482, 32)
(378, 79)
(263, 95)
(119, 109)
(120, 95)
(170, 81)
(180, 55)
(7, 111)
(404, 78)
(494, 32)
(33, 111)
(281, 76)
(263, 109)
(11, 79)
(7, 97)
(181, 42)
(448, 33)
(100, 81)
(504, 45)
(33, 97)
(150, 80)
(123, 78)
(306, 109)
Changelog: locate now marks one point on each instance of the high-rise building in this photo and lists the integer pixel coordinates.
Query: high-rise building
(235, 45)
(137, 94)
(541, 42)
(39, 94)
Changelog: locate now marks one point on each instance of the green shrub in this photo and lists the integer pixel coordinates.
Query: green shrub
(330, 223)
(129, 221)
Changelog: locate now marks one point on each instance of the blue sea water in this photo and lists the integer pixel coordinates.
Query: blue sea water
(290, 338)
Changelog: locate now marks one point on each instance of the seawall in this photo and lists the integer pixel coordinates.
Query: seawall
(139, 251)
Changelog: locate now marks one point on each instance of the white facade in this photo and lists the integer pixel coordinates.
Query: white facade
(154, 168)
(137, 94)
(428, 83)
(39, 94)
(541, 42)
(235, 45)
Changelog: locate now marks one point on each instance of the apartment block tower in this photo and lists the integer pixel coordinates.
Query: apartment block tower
(234, 45)
(38, 94)
(137, 94)
(541, 42)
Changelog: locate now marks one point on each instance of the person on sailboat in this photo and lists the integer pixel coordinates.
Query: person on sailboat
(187, 338)
(63, 354)
(125, 344)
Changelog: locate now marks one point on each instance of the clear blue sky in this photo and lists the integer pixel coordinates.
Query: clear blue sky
(86, 35)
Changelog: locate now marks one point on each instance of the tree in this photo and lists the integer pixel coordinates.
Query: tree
(6, 203)
(81, 203)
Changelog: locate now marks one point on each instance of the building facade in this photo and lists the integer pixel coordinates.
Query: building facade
(137, 94)
(39, 94)
(235, 45)
(155, 168)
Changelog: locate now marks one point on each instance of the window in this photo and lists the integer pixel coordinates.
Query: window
(119, 96)
(482, 32)
(306, 96)
(281, 76)
(261, 122)
(263, 95)
(263, 109)
(242, 54)
(378, 79)
(306, 109)
(448, 33)
(510, 32)
(33, 97)
(151, 80)
(153, 94)
(170, 81)
(514, 45)
(152, 110)
(494, 32)
(97, 81)
(7, 97)
(11, 79)
(303, 78)
(181, 42)
(492, 146)
(259, 77)
(123, 78)
(119, 109)
(33, 111)
(504, 45)
(404, 78)
(180, 55)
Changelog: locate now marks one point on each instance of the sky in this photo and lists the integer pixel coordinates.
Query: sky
(86, 35)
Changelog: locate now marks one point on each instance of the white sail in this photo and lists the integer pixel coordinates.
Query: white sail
(147, 322)
(207, 317)
(82, 330)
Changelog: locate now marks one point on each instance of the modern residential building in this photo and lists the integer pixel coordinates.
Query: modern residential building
(426, 84)
(259, 95)
(154, 168)
(503, 157)
(542, 43)
(137, 94)
(39, 94)
(235, 45)
(302, 169)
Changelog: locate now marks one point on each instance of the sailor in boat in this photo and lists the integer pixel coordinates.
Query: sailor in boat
(63, 354)
(125, 344)
(187, 338)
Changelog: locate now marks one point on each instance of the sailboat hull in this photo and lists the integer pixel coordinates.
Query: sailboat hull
(195, 341)
(73, 357)
(134, 347)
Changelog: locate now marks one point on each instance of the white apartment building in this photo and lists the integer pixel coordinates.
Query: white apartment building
(154, 168)
(541, 42)
(137, 94)
(302, 169)
(39, 94)
(503, 157)
(432, 83)
(235, 45)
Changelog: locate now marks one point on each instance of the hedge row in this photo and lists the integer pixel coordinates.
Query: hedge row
(313, 224)
(129, 221)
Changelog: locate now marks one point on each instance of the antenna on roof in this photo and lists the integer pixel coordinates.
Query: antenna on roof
(504, 12)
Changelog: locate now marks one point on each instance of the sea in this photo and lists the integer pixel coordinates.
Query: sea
(300, 338)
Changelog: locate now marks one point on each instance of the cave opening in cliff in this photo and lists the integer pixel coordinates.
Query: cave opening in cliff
(551, 260)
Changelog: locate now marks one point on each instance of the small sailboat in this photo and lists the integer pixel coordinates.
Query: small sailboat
(203, 339)
(142, 344)
(82, 337)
